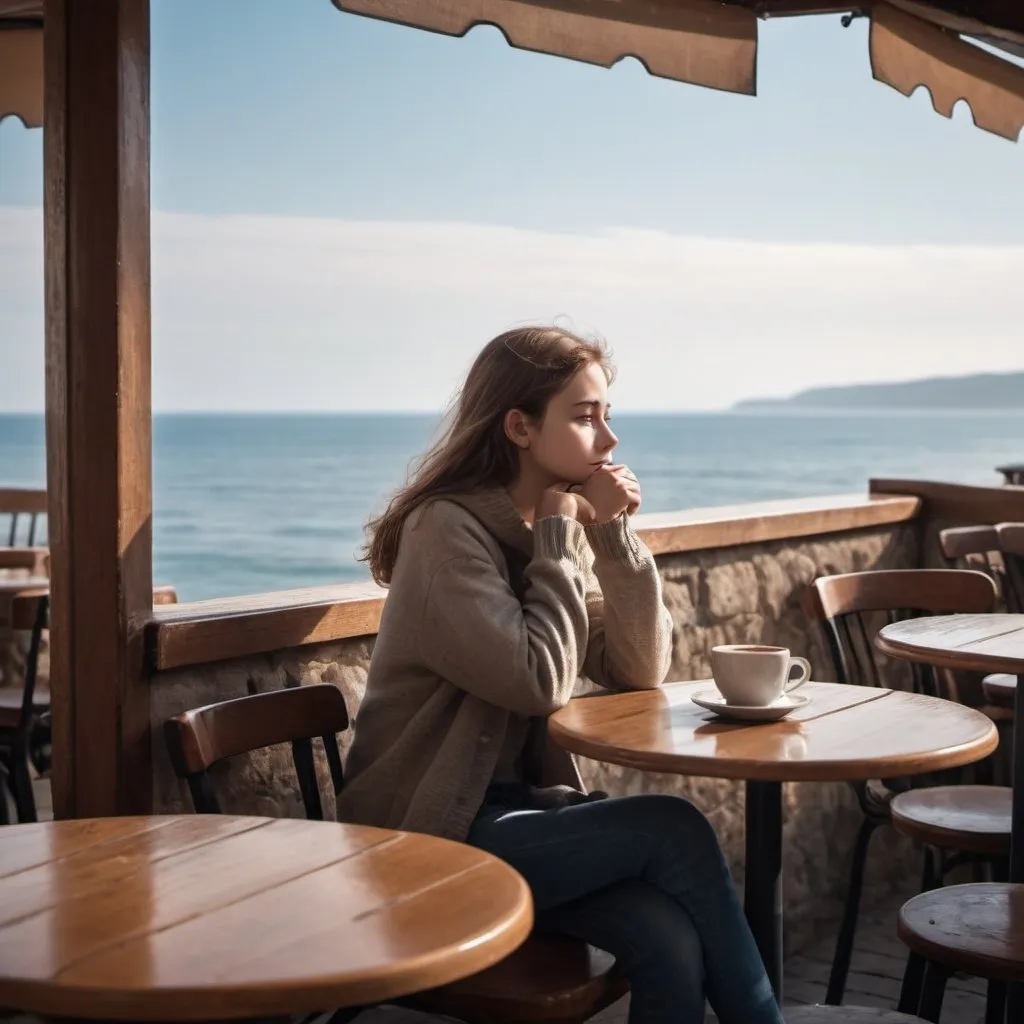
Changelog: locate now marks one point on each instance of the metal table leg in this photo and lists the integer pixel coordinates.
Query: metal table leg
(762, 896)
(1015, 993)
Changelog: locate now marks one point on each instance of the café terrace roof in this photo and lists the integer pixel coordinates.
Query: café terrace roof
(930, 43)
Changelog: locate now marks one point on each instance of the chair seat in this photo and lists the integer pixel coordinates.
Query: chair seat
(974, 819)
(1000, 688)
(548, 978)
(976, 928)
(10, 705)
(846, 1015)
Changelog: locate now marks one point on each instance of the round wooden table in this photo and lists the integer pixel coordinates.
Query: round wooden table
(214, 917)
(846, 733)
(982, 643)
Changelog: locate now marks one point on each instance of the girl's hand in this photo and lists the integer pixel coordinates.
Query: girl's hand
(557, 501)
(612, 490)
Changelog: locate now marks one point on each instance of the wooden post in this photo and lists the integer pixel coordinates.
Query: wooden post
(98, 419)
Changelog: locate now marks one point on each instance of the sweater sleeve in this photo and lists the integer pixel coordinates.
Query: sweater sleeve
(630, 644)
(475, 633)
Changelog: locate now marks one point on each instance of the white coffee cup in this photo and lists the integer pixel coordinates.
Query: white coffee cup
(755, 675)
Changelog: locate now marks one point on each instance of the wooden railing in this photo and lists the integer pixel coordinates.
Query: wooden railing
(203, 631)
(959, 503)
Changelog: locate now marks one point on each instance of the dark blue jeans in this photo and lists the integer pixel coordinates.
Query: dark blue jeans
(642, 877)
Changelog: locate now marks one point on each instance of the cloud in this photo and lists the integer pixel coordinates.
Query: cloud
(253, 312)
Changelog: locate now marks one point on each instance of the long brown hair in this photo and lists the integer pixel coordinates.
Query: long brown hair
(520, 369)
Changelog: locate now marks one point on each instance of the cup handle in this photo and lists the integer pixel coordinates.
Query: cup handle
(805, 666)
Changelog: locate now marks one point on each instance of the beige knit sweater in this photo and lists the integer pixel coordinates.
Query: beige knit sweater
(461, 659)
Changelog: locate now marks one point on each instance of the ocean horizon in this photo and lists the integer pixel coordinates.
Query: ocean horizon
(252, 502)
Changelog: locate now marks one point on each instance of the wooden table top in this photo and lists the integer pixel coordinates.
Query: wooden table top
(201, 917)
(14, 585)
(982, 643)
(845, 733)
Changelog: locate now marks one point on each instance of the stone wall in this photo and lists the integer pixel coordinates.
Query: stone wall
(721, 596)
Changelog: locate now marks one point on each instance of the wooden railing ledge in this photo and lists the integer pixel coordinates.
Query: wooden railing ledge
(203, 631)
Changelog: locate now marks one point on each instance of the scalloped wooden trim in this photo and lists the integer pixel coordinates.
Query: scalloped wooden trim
(698, 41)
(205, 631)
(907, 52)
(21, 75)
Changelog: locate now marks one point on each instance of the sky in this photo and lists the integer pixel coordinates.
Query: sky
(346, 210)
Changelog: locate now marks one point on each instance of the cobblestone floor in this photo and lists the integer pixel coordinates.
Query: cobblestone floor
(875, 974)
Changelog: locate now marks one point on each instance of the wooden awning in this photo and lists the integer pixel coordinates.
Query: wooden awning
(704, 42)
(21, 61)
(914, 45)
(21, 75)
(699, 41)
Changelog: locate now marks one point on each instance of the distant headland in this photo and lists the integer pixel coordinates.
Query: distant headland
(983, 391)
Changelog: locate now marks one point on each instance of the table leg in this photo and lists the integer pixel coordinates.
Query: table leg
(762, 896)
(1015, 993)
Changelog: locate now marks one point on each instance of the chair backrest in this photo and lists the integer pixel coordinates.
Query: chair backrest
(30, 610)
(853, 605)
(979, 547)
(1013, 474)
(203, 736)
(1011, 546)
(20, 512)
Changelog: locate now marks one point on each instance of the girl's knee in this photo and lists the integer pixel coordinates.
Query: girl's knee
(673, 815)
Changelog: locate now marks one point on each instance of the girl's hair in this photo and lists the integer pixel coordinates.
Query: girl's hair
(520, 369)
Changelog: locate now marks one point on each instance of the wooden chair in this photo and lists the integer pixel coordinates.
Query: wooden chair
(1001, 688)
(23, 507)
(550, 979)
(1013, 474)
(975, 929)
(977, 547)
(999, 551)
(24, 732)
(970, 822)
(25, 710)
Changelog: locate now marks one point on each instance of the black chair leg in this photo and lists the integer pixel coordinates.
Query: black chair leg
(913, 974)
(21, 789)
(4, 815)
(848, 927)
(346, 1014)
(913, 982)
(933, 992)
(995, 1003)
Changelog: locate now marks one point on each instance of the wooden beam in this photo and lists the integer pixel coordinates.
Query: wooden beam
(959, 503)
(98, 421)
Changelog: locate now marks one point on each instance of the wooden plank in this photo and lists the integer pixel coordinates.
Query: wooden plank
(845, 733)
(907, 52)
(98, 423)
(981, 643)
(699, 41)
(160, 924)
(21, 75)
(17, 10)
(204, 631)
(757, 523)
(959, 503)
(23, 500)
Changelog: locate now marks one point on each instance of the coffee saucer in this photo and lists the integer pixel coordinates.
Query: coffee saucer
(712, 700)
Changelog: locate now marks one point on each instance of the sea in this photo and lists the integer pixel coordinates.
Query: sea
(252, 503)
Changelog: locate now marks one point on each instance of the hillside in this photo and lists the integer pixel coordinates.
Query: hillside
(979, 391)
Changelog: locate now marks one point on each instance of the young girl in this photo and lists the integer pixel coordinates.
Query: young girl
(513, 569)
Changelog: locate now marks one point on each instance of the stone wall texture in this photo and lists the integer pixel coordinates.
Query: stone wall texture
(734, 595)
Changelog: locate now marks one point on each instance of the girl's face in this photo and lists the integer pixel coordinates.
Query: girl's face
(573, 439)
